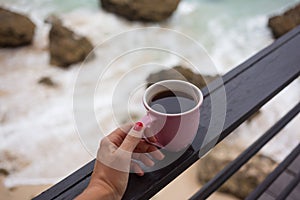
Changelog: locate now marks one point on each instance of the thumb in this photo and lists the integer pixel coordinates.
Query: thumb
(133, 137)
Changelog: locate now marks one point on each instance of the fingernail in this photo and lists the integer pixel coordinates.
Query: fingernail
(140, 174)
(151, 163)
(158, 155)
(139, 171)
(138, 126)
(161, 156)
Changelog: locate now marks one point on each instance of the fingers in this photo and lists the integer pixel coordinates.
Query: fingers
(133, 137)
(136, 168)
(144, 147)
(118, 135)
(116, 149)
(144, 159)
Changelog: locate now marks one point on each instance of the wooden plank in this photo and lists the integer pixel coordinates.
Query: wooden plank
(266, 196)
(70, 194)
(246, 94)
(71, 181)
(255, 58)
(295, 166)
(272, 184)
(280, 183)
(295, 195)
(289, 187)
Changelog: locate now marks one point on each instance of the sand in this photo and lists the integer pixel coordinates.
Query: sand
(181, 188)
(24, 192)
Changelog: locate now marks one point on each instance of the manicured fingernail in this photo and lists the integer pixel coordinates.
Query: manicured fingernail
(138, 126)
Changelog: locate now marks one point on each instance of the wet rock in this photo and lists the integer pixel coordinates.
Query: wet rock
(15, 29)
(4, 172)
(245, 180)
(66, 47)
(47, 81)
(281, 24)
(142, 10)
(12, 162)
(180, 73)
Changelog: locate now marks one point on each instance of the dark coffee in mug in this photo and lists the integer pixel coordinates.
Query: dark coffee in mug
(172, 102)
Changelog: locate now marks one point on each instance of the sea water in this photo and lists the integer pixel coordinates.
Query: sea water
(39, 140)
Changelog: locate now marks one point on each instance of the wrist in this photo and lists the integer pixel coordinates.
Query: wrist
(93, 192)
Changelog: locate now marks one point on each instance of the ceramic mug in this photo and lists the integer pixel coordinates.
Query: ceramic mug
(173, 132)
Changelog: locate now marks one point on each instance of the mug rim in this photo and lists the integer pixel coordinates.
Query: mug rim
(197, 106)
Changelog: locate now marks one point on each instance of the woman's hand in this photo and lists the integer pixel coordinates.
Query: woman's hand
(114, 162)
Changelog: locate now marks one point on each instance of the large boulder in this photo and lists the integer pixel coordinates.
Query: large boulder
(180, 73)
(281, 24)
(66, 47)
(242, 182)
(15, 29)
(142, 10)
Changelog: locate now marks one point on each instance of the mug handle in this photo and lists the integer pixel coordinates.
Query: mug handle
(147, 120)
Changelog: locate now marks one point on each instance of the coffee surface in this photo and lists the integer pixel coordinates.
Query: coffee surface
(172, 102)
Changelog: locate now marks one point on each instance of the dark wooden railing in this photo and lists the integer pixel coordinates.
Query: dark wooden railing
(248, 87)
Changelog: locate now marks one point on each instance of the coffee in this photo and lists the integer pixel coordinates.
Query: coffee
(172, 102)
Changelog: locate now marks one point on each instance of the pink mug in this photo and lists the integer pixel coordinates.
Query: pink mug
(173, 132)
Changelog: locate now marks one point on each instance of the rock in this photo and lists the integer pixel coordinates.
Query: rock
(245, 180)
(4, 172)
(67, 48)
(53, 19)
(15, 29)
(47, 81)
(180, 73)
(281, 24)
(12, 162)
(142, 10)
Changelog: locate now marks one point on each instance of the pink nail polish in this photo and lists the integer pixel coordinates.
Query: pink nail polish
(138, 126)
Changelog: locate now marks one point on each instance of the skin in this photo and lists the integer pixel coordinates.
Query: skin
(114, 161)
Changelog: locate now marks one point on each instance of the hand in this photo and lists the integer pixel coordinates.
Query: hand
(114, 161)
